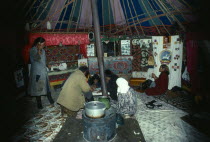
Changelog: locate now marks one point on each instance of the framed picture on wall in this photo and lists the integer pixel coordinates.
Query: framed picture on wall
(90, 50)
(125, 47)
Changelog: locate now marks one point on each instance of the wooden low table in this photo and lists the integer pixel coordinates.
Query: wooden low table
(72, 131)
(136, 82)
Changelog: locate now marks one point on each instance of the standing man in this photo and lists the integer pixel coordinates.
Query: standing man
(39, 81)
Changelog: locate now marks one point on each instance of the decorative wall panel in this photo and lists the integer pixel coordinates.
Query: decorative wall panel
(118, 65)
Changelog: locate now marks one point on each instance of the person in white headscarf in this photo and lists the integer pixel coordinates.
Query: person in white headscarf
(127, 98)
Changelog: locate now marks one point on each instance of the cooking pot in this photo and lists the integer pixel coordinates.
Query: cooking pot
(95, 109)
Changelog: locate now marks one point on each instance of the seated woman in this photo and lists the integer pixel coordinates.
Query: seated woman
(111, 84)
(160, 85)
(127, 98)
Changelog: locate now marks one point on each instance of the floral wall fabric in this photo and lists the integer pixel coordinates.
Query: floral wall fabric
(56, 54)
(118, 65)
(141, 51)
(56, 39)
(136, 52)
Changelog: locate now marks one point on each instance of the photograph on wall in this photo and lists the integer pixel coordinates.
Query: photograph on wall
(125, 47)
(82, 62)
(145, 43)
(166, 42)
(90, 50)
(136, 42)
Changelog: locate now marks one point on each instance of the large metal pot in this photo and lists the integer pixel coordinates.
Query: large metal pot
(95, 109)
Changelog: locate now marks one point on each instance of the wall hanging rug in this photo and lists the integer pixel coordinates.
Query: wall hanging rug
(56, 39)
(56, 54)
(141, 51)
(136, 52)
(118, 65)
(169, 55)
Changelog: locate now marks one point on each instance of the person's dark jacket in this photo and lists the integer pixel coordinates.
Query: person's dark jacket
(112, 86)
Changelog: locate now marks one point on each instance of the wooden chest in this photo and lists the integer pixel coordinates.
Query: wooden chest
(136, 81)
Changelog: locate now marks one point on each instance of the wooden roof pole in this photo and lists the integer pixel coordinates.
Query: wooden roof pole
(126, 17)
(137, 18)
(146, 19)
(71, 16)
(54, 14)
(63, 16)
(133, 18)
(170, 13)
(78, 19)
(158, 17)
(150, 17)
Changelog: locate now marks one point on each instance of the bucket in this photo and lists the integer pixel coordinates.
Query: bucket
(105, 100)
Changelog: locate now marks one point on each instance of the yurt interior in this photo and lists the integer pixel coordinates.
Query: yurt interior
(139, 41)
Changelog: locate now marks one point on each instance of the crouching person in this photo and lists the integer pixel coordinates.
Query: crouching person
(73, 93)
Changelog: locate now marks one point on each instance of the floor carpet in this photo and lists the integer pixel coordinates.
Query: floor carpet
(181, 100)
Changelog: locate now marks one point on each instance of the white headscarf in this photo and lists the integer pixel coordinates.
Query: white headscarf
(122, 84)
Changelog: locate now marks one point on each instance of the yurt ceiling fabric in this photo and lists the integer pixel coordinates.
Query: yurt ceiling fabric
(115, 16)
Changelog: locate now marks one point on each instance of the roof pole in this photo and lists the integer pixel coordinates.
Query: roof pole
(99, 46)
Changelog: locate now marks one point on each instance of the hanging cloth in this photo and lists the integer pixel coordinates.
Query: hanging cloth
(185, 75)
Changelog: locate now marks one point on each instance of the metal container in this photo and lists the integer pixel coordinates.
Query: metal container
(95, 109)
(105, 100)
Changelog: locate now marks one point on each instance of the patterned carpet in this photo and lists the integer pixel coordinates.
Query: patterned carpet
(43, 127)
(180, 99)
(154, 123)
(164, 123)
